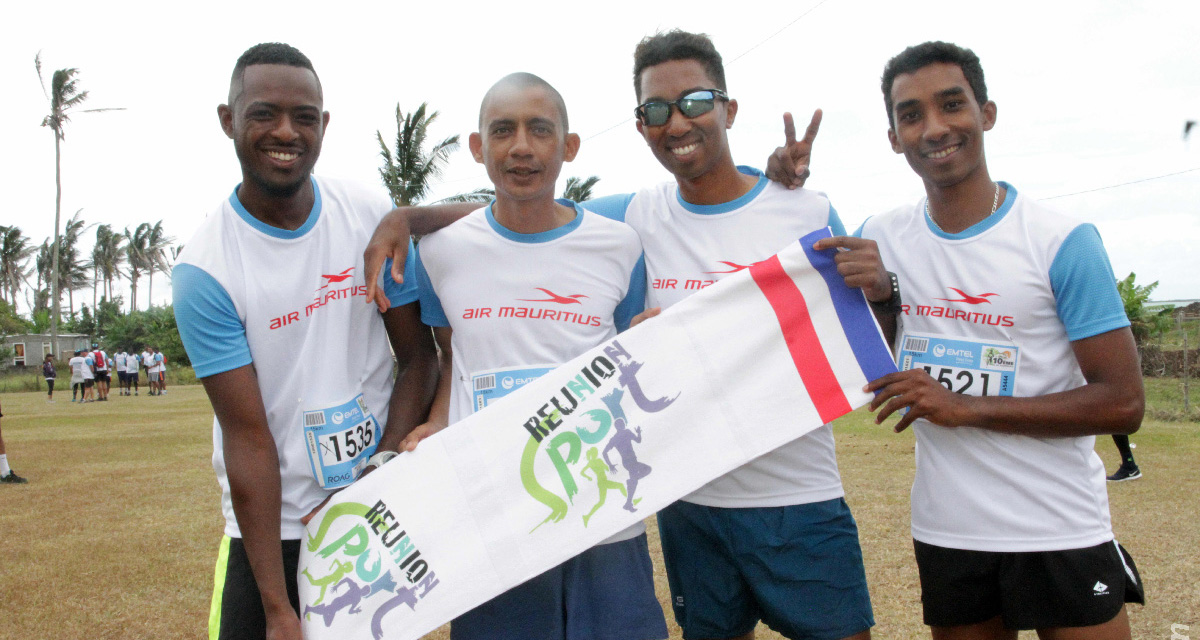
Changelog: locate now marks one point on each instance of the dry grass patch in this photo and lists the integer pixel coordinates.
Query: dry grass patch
(116, 534)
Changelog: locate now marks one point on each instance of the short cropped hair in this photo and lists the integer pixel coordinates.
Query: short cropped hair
(269, 53)
(524, 80)
(677, 45)
(922, 55)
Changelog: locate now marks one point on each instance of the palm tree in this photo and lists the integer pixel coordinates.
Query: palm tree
(107, 257)
(579, 189)
(155, 253)
(72, 266)
(407, 173)
(14, 253)
(64, 96)
(135, 249)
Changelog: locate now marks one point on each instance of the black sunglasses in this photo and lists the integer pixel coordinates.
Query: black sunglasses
(694, 104)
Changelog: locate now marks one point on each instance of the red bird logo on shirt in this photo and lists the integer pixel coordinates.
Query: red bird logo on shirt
(348, 273)
(554, 297)
(968, 298)
(733, 267)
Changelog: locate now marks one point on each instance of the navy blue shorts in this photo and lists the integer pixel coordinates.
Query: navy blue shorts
(798, 568)
(605, 593)
(236, 611)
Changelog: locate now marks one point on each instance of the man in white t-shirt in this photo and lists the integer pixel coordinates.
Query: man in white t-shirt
(148, 367)
(271, 279)
(1015, 353)
(133, 367)
(567, 257)
(119, 365)
(77, 363)
(89, 377)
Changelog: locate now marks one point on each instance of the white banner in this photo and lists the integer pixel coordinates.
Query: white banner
(590, 448)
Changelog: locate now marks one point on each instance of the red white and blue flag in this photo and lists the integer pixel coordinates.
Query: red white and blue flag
(740, 368)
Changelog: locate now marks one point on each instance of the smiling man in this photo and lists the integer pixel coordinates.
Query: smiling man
(1015, 353)
(255, 294)
(576, 279)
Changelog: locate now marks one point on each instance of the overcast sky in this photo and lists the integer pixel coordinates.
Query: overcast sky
(1090, 94)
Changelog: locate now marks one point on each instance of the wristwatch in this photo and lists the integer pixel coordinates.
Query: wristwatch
(891, 305)
(381, 458)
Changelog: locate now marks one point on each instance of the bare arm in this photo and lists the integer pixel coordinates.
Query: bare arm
(252, 467)
(417, 373)
(439, 413)
(390, 240)
(1112, 401)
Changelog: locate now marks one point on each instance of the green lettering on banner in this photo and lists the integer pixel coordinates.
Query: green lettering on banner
(335, 512)
(558, 506)
(574, 448)
(355, 542)
(603, 422)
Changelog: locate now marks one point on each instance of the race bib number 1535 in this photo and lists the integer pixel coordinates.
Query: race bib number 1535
(340, 439)
(961, 365)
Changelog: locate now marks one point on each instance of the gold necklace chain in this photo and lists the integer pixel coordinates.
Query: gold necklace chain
(995, 205)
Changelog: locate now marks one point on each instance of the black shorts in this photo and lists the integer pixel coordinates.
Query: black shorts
(1029, 590)
(101, 376)
(237, 611)
(88, 382)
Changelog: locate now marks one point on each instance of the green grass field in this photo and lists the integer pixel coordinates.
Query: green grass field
(116, 533)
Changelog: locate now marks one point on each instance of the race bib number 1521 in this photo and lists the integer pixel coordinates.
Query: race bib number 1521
(963, 366)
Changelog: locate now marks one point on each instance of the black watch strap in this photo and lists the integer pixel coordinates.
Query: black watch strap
(892, 304)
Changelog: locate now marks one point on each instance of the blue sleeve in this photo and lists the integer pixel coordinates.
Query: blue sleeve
(401, 294)
(635, 299)
(1085, 289)
(612, 207)
(835, 223)
(212, 332)
(431, 306)
(859, 231)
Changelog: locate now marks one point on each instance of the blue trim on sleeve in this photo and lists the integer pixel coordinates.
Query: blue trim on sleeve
(212, 332)
(432, 313)
(535, 238)
(612, 207)
(873, 356)
(1010, 195)
(732, 205)
(400, 294)
(276, 232)
(1085, 289)
(635, 298)
(859, 231)
(835, 222)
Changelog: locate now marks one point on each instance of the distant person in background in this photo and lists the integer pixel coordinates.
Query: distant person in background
(161, 358)
(50, 374)
(100, 369)
(1129, 469)
(77, 364)
(89, 378)
(122, 378)
(148, 365)
(6, 473)
(131, 372)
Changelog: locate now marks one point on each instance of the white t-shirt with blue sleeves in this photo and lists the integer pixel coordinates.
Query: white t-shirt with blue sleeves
(522, 304)
(689, 247)
(293, 304)
(993, 311)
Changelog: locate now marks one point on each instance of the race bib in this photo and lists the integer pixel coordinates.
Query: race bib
(340, 440)
(976, 368)
(489, 386)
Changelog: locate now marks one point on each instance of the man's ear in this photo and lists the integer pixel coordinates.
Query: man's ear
(475, 143)
(225, 115)
(989, 115)
(894, 140)
(730, 113)
(572, 147)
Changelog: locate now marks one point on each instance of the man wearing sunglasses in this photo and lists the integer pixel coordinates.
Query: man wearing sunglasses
(772, 541)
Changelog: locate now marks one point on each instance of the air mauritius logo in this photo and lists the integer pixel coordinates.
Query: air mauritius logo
(336, 278)
(335, 288)
(592, 446)
(733, 267)
(553, 314)
(968, 298)
(555, 298)
(356, 570)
